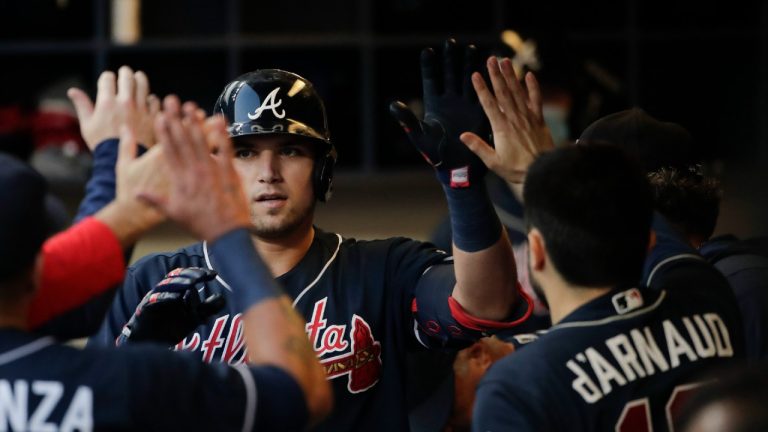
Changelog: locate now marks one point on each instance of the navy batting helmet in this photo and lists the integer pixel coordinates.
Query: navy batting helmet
(273, 101)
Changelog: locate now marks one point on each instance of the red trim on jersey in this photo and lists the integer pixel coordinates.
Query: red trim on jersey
(465, 319)
(79, 263)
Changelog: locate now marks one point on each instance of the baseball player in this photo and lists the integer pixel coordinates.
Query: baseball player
(44, 385)
(366, 303)
(619, 356)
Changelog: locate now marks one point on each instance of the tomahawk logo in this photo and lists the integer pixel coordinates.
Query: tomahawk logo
(269, 103)
(361, 364)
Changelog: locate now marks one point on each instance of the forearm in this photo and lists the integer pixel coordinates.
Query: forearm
(274, 332)
(128, 220)
(486, 280)
(284, 343)
(79, 264)
(483, 259)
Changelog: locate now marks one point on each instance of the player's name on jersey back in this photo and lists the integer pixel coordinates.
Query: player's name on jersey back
(645, 351)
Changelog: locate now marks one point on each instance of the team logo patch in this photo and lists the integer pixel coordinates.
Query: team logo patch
(627, 301)
(362, 361)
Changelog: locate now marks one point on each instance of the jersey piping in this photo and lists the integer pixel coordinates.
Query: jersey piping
(322, 272)
(25, 350)
(250, 397)
(303, 291)
(611, 319)
(210, 267)
(668, 260)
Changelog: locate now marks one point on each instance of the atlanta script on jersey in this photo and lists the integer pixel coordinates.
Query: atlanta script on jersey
(359, 299)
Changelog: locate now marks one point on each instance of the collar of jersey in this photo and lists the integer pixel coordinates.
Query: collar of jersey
(601, 310)
(321, 240)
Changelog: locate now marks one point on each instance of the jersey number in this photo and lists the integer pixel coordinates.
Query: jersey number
(636, 416)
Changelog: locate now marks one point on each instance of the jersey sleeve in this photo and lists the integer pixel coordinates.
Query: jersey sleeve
(502, 407)
(79, 264)
(175, 391)
(441, 322)
(100, 189)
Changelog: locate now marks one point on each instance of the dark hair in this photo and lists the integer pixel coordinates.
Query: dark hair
(654, 143)
(688, 199)
(593, 206)
(22, 217)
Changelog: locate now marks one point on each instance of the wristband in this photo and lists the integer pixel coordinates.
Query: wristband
(242, 268)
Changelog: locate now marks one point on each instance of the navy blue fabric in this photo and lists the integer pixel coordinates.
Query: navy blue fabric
(474, 223)
(356, 298)
(100, 189)
(438, 328)
(242, 268)
(745, 264)
(537, 387)
(22, 215)
(143, 388)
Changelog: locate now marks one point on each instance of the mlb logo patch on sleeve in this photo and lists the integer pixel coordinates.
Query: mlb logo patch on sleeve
(627, 301)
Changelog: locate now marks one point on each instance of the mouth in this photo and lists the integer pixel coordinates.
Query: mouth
(271, 199)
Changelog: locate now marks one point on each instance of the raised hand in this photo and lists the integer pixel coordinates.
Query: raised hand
(451, 107)
(517, 122)
(118, 99)
(205, 193)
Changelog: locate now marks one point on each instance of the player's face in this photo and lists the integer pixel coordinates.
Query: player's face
(277, 175)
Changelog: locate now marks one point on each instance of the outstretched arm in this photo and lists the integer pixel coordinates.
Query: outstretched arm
(484, 263)
(71, 280)
(119, 99)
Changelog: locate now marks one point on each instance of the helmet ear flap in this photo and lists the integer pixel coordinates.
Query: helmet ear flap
(323, 175)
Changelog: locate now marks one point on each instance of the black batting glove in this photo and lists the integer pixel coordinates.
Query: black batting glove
(451, 107)
(173, 309)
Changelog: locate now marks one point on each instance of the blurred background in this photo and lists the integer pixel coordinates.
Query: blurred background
(702, 64)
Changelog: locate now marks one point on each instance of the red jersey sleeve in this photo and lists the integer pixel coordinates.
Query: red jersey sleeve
(79, 263)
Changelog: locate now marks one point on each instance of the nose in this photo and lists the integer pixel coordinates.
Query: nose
(268, 167)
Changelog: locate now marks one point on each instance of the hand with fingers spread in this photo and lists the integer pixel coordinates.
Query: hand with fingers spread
(517, 122)
(450, 108)
(205, 193)
(121, 98)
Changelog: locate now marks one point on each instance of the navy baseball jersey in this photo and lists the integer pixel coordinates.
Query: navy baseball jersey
(624, 361)
(47, 386)
(359, 299)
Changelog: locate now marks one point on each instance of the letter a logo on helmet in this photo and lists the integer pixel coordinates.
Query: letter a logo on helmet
(296, 108)
(269, 103)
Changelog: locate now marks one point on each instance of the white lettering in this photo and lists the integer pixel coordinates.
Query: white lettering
(13, 405)
(604, 371)
(583, 384)
(648, 350)
(51, 392)
(722, 338)
(79, 415)
(676, 345)
(626, 356)
(703, 351)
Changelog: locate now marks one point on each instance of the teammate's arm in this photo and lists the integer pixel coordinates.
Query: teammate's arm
(69, 280)
(484, 263)
(121, 99)
(274, 333)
